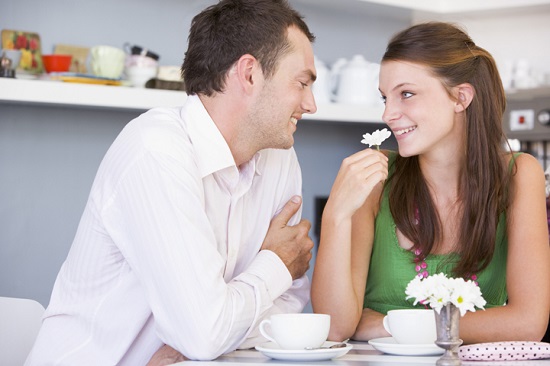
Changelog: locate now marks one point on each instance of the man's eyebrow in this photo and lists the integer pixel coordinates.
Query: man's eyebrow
(310, 74)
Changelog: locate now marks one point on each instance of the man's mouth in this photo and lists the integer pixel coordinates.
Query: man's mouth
(294, 120)
(403, 131)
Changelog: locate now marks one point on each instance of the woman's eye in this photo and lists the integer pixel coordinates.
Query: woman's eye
(383, 98)
(406, 94)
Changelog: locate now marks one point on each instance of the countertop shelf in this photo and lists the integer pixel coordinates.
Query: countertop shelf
(46, 92)
(56, 93)
(528, 94)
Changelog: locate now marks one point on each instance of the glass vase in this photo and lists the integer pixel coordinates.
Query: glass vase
(447, 324)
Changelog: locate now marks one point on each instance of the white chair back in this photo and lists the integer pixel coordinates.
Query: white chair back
(20, 320)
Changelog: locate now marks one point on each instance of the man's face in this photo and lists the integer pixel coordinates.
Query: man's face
(285, 96)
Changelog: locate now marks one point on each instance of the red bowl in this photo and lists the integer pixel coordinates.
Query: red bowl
(57, 63)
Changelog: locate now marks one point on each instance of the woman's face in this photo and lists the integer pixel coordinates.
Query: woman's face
(419, 110)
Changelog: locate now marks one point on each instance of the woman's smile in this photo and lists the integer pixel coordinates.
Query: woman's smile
(404, 130)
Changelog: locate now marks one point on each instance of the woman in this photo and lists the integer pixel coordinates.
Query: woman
(454, 200)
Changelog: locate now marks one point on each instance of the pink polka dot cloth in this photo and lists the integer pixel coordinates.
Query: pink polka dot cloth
(504, 351)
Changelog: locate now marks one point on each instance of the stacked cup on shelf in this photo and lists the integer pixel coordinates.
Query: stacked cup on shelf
(141, 65)
(107, 61)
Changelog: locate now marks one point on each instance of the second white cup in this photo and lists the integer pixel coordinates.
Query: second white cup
(139, 75)
(411, 326)
(296, 331)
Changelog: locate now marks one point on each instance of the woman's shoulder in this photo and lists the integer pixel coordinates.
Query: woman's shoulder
(526, 170)
(523, 162)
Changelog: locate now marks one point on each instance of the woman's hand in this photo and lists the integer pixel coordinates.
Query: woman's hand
(356, 179)
(370, 326)
(347, 233)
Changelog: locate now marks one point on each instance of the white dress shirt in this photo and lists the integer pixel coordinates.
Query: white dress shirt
(168, 248)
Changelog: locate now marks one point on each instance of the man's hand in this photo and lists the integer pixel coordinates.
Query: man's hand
(291, 243)
(166, 355)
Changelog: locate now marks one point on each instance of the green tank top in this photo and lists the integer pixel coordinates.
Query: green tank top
(392, 267)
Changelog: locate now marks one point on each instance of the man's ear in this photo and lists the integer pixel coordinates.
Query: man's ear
(464, 94)
(247, 69)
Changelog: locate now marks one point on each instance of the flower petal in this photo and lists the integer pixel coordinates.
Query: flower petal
(376, 138)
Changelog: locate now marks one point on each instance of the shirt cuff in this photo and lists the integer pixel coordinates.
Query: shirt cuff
(270, 268)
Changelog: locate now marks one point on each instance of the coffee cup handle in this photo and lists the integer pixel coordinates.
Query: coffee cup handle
(385, 324)
(264, 331)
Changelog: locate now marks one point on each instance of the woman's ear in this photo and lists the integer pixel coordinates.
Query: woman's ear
(465, 94)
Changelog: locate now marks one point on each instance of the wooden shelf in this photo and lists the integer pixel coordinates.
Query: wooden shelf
(46, 92)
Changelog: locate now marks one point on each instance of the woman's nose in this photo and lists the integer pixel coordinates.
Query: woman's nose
(391, 113)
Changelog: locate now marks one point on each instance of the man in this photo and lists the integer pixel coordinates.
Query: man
(191, 235)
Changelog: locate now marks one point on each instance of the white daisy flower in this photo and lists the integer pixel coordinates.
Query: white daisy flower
(376, 138)
(439, 290)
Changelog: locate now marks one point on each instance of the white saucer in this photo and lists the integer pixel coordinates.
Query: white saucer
(388, 345)
(272, 350)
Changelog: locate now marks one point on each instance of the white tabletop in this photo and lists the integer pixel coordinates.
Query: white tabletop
(362, 354)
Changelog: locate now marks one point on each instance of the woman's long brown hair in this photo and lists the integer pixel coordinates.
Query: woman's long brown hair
(484, 178)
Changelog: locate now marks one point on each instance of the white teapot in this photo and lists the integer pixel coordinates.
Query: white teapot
(357, 82)
(321, 86)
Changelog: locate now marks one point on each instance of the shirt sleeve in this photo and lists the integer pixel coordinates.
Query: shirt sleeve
(153, 218)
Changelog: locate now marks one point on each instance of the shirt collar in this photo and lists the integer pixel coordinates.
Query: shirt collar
(212, 152)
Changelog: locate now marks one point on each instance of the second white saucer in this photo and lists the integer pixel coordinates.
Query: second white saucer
(390, 346)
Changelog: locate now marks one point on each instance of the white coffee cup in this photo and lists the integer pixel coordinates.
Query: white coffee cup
(107, 61)
(411, 326)
(140, 75)
(296, 331)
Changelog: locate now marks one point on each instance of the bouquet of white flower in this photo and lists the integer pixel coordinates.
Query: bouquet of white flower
(439, 290)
